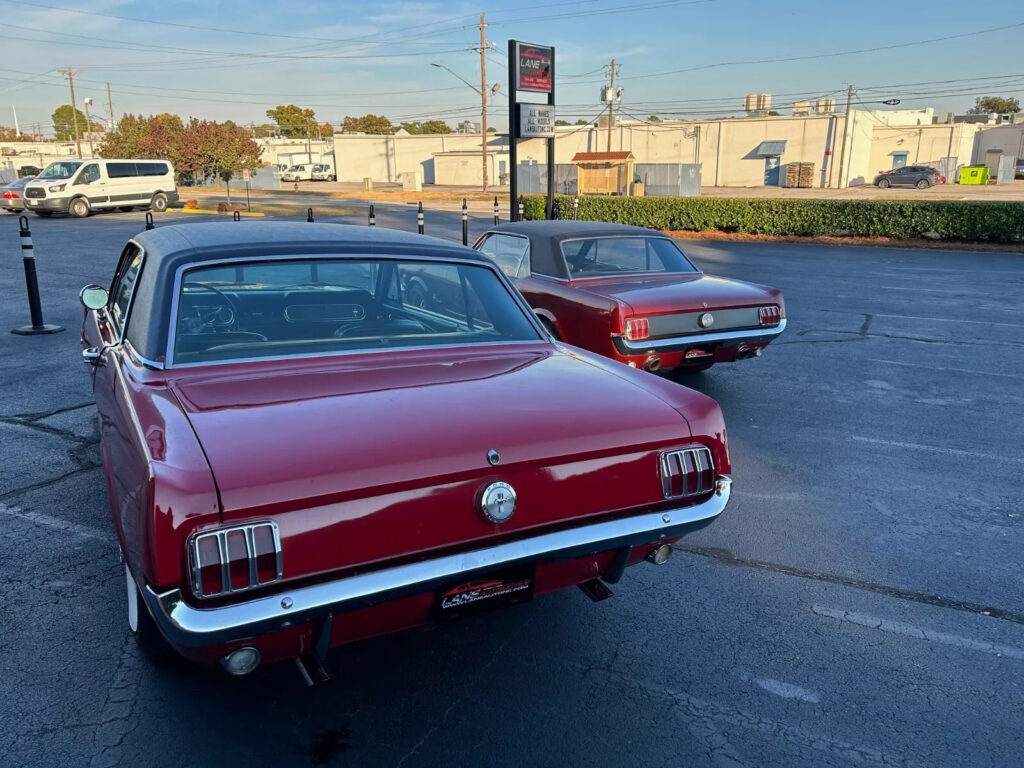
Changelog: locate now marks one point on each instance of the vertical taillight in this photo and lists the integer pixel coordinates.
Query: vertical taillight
(687, 472)
(770, 315)
(235, 559)
(637, 328)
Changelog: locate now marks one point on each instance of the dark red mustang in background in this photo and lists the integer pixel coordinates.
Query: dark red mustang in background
(631, 294)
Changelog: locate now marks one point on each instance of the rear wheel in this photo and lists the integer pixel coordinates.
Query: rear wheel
(884, 183)
(159, 202)
(923, 184)
(141, 624)
(79, 208)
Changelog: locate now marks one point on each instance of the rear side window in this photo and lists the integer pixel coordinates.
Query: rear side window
(121, 170)
(511, 254)
(609, 256)
(152, 169)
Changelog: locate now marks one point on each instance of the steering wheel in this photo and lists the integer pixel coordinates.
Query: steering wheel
(211, 319)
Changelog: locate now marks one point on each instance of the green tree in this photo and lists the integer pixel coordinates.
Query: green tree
(429, 126)
(9, 134)
(64, 120)
(773, 113)
(138, 136)
(371, 123)
(654, 119)
(582, 122)
(294, 122)
(562, 122)
(326, 130)
(985, 105)
(491, 129)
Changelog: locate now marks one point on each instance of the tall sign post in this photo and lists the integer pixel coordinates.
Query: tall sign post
(531, 70)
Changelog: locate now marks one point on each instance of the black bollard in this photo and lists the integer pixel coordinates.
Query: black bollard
(149, 221)
(237, 216)
(35, 309)
(497, 218)
(465, 223)
(373, 217)
(309, 215)
(419, 218)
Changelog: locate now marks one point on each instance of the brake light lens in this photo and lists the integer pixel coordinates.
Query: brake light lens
(10, 195)
(235, 559)
(637, 328)
(770, 315)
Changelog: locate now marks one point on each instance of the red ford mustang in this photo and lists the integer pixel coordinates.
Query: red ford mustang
(299, 453)
(632, 295)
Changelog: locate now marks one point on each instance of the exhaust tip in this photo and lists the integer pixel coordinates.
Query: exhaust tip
(661, 555)
(652, 363)
(241, 661)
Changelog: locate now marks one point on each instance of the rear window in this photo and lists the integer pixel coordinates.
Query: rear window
(299, 307)
(605, 256)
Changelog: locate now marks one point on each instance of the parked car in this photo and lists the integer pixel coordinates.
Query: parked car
(298, 457)
(78, 187)
(1018, 170)
(303, 172)
(631, 294)
(14, 195)
(920, 176)
(322, 172)
(29, 170)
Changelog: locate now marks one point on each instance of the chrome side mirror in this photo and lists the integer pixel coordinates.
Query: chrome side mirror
(93, 355)
(93, 297)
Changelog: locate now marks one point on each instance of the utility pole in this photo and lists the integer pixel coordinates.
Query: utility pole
(88, 124)
(846, 132)
(483, 99)
(611, 103)
(70, 73)
(110, 110)
(309, 149)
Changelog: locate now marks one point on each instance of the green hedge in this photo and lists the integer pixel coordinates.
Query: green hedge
(998, 222)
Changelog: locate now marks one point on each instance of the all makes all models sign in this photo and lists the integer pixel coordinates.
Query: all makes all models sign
(534, 67)
(536, 121)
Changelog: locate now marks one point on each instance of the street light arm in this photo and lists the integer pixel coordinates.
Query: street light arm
(456, 74)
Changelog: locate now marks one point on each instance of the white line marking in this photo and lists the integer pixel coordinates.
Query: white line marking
(916, 289)
(938, 449)
(785, 690)
(768, 496)
(898, 628)
(48, 521)
(947, 320)
(951, 370)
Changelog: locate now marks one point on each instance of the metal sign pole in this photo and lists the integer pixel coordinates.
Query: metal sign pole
(513, 129)
(549, 209)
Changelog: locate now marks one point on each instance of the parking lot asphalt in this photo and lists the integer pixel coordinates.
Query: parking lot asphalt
(860, 603)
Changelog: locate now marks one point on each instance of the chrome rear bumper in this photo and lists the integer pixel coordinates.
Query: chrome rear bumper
(193, 627)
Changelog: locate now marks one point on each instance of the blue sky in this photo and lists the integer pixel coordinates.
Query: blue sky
(225, 59)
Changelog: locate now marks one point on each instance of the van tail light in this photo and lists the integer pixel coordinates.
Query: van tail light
(770, 315)
(637, 328)
(235, 559)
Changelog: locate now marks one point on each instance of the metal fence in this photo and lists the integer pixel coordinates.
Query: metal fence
(669, 179)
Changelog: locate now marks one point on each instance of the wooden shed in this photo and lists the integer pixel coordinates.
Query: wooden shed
(604, 173)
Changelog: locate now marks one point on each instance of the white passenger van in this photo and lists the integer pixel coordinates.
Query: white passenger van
(302, 172)
(78, 187)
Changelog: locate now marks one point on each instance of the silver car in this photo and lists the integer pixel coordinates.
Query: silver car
(14, 195)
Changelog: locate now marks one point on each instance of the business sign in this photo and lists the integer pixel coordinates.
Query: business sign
(534, 68)
(536, 121)
(245, 174)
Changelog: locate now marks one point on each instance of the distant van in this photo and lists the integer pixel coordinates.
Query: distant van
(302, 172)
(78, 187)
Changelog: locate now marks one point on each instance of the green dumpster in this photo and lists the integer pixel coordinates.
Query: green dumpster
(974, 174)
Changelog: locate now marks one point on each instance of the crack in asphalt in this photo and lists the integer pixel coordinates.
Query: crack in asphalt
(726, 557)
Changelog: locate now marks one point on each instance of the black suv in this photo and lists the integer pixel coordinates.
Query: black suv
(920, 176)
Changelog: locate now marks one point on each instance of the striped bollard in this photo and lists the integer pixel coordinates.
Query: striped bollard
(465, 222)
(149, 221)
(35, 308)
(497, 218)
(236, 215)
(373, 217)
(309, 215)
(419, 218)
(521, 209)
(575, 208)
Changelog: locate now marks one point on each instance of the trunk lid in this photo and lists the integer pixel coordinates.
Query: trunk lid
(679, 293)
(369, 458)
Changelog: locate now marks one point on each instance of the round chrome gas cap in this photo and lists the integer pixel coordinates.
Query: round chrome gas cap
(498, 502)
(706, 320)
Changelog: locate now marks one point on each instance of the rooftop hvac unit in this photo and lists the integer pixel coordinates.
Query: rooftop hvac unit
(801, 108)
(757, 102)
(824, 106)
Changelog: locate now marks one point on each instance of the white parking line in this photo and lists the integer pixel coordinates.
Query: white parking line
(938, 449)
(48, 521)
(948, 320)
(784, 690)
(950, 370)
(921, 633)
(767, 496)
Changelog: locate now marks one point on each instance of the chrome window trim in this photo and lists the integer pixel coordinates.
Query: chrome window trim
(202, 627)
(486, 263)
(139, 359)
(631, 236)
(653, 345)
